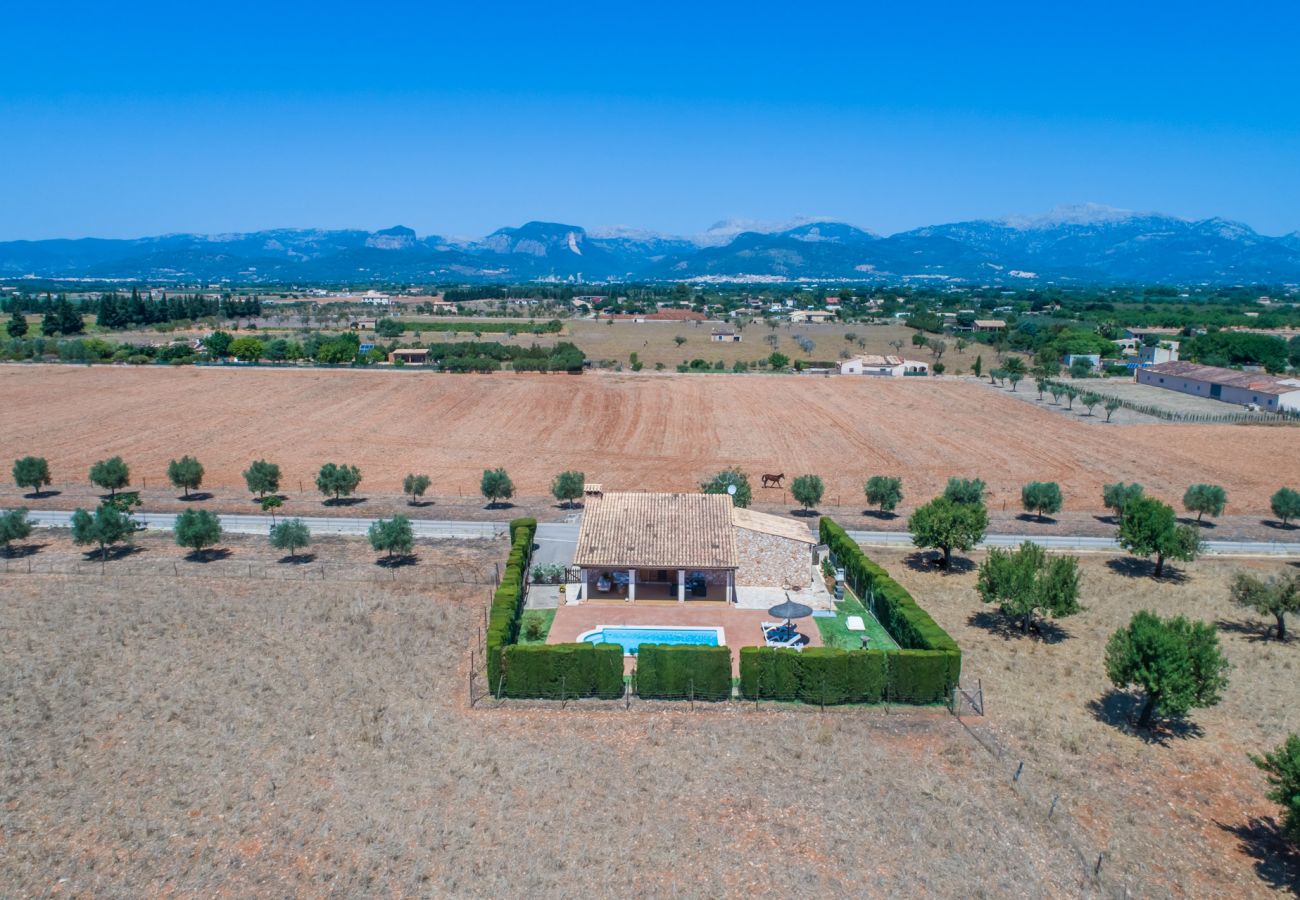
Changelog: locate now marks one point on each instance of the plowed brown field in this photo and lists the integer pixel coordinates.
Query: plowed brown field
(627, 431)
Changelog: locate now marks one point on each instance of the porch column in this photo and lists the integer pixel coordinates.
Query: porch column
(681, 585)
(631, 585)
(731, 585)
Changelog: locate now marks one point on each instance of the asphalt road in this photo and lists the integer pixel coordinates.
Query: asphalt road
(556, 540)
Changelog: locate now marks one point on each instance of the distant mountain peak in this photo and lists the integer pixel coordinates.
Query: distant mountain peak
(1069, 214)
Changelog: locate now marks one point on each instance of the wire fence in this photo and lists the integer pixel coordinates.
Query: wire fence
(1282, 417)
(304, 569)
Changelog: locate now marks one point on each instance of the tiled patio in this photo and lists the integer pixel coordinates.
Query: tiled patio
(741, 627)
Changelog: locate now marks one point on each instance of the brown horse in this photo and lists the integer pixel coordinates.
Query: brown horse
(773, 480)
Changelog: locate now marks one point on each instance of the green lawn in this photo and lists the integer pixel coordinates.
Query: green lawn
(835, 631)
(543, 618)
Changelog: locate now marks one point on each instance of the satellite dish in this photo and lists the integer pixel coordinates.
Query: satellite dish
(731, 489)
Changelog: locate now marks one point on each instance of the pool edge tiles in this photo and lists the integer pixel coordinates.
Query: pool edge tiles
(630, 647)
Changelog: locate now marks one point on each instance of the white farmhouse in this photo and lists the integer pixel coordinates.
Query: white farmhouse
(887, 366)
(1268, 392)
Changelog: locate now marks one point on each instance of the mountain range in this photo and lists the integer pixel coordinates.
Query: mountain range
(1073, 244)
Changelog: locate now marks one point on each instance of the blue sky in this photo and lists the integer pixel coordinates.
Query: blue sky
(133, 119)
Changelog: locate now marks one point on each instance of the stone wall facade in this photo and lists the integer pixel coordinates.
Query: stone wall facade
(770, 561)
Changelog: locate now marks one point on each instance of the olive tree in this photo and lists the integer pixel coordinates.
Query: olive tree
(964, 490)
(32, 472)
(337, 479)
(262, 478)
(1283, 769)
(185, 473)
(14, 526)
(415, 485)
(1118, 496)
(567, 486)
(1276, 596)
(807, 490)
(1150, 528)
(1176, 662)
(1205, 498)
(110, 474)
(392, 535)
(1026, 581)
(198, 529)
(290, 534)
(884, 491)
(947, 526)
(496, 486)
(1286, 504)
(1041, 498)
(109, 524)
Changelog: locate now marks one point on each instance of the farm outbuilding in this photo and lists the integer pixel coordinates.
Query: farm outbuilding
(1268, 392)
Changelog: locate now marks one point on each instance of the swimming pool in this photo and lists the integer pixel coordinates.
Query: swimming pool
(632, 637)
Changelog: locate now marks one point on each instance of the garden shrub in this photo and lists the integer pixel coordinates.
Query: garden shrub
(503, 616)
(672, 671)
(816, 675)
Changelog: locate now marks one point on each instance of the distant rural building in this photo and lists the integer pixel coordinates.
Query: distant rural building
(1092, 359)
(363, 325)
(1163, 352)
(663, 315)
(814, 316)
(1267, 392)
(984, 325)
(888, 366)
(724, 335)
(413, 356)
(686, 547)
(373, 298)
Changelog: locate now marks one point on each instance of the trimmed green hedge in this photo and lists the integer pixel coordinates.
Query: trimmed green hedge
(563, 671)
(816, 675)
(677, 671)
(503, 616)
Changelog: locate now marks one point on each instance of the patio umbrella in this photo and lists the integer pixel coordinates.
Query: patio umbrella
(790, 610)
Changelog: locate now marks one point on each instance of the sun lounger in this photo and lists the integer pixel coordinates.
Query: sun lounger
(795, 642)
(855, 623)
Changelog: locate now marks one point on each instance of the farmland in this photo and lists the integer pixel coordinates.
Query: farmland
(628, 431)
(229, 727)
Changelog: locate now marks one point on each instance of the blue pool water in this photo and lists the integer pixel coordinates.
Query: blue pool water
(632, 638)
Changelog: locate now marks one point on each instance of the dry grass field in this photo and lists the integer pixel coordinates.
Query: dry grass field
(1183, 814)
(627, 431)
(234, 736)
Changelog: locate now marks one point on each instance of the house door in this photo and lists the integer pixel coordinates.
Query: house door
(1216, 391)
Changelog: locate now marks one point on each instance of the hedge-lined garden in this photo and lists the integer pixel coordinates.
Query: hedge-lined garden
(550, 671)
(924, 670)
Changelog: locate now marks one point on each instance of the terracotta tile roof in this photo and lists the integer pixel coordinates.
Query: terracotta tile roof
(1260, 382)
(669, 531)
(777, 526)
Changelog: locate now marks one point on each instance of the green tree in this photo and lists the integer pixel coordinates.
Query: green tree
(198, 529)
(1205, 498)
(679, 340)
(1118, 496)
(1286, 504)
(32, 472)
(567, 486)
(270, 504)
(17, 324)
(218, 344)
(778, 360)
(977, 368)
(1015, 370)
(964, 490)
(1041, 385)
(1071, 394)
(885, 491)
(1112, 404)
(1150, 528)
(1176, 662)
(1276, 596)
(1026, 581)
(337, 480)
(392, 535)
(262, 478)
(719, 483)
(111, 474)
(948, 526)
(1080, 368)
(1041, 498)
(1090, 401)
(495, 485)
(109, 524)
(247, 349)
(807, 490)
(290, 534)
(415, 485)
(14, 526)
(1283, 768)
(185, 473)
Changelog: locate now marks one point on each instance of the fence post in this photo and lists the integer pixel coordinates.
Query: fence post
(692, 692)
(823, 693)
(1020, 768)
(562, 677)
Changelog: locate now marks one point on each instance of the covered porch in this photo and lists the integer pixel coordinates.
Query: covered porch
(648, 584)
